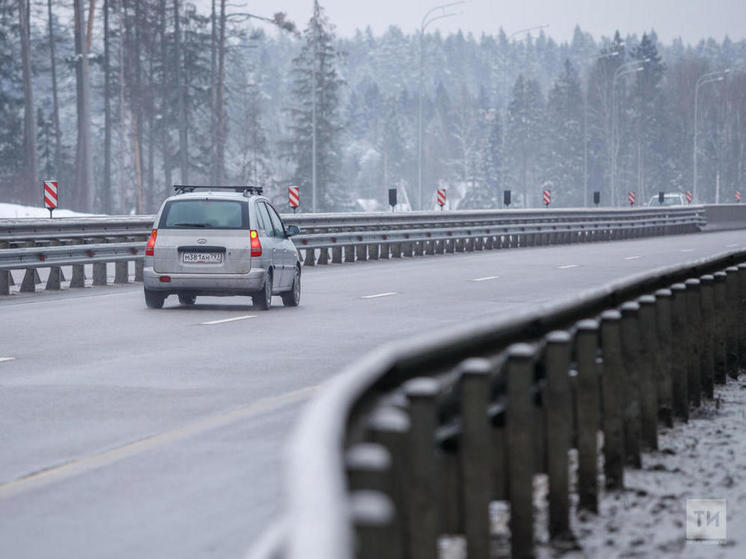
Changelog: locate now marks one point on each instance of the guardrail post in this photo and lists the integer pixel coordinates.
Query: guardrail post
(374, 519)
(389, 427)
(55, 273)
(4, 282)
(422, 514)
(633, 376)
(648, 371)
(361, 253)
(587, 406)
(373, 251)
(557, 404)
(310, 259)
(732, 319)
(612, 384)
(395, 250)
(323, 256)
(720, 326)
(707, 355)
(664, 354)
(121, 272)
(475, 456)
(408, 249)
(520, 449)
(99, 269)
(694, 319)
(368, 467)
(680, 359)
(385, 250)
(740, 308)
(337, 255)
(349, 253)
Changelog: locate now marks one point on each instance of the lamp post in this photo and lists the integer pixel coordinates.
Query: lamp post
(623, 70)
(702, 80)
(433, 14)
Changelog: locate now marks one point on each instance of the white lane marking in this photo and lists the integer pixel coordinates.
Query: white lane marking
(731, 245)
(687, 250)
(568, 266)
(229, 319)
(485, 278)
(387, 294)
(631, 257)
(4, 359)
(107, 457)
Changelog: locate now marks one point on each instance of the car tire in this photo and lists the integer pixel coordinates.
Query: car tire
(187, 300)
(153, 299)
(292, 297)
(263, 299)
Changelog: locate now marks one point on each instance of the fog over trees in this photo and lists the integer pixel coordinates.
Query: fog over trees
(118, 100)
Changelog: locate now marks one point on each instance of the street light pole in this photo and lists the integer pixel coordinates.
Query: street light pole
(623, 70)
(702, 80)
(429, 17)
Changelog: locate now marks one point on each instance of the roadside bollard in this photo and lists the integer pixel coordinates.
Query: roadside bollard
(389, 427)
(586, 348)
(679, 361)
(630, 330)
(732, 318)
(475, 456)
(374, 519)
(520, 449)
(665, 350)
(720, 326)
(422, 514)
(694, 342)
(558, 415)
(707, 355)
(648, 373)
(612, 389)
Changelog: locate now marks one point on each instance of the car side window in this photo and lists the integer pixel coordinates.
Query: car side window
(276, 222)
(265, 224)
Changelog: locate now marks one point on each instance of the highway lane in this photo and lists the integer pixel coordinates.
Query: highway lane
(128, 431)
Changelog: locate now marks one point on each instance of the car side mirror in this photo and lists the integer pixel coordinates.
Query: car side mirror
(291, 230)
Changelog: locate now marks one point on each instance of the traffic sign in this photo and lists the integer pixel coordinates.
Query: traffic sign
(688, 197)
(441, 197)
(547, 197)
(738, 196)
(294, 197)
(631, 198)
(50, 196)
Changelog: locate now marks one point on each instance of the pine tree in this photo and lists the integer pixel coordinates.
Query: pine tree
(316, 118)
(11, 104)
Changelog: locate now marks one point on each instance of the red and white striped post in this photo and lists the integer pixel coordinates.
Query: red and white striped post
(688, 197)
(738, 197)
(50, 196)
(294, 197)
(631, 198)
(441, 198)
(547, 197)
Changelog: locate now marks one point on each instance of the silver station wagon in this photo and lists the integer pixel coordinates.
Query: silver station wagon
(221, 241)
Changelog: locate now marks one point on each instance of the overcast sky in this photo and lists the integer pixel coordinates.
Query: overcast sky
(688, 19)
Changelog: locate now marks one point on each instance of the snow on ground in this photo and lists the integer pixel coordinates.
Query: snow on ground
(16, 210)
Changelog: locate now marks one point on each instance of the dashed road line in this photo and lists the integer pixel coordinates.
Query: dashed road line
(211, 322)
(377, 295)
(4, 359)
(107, 457)
(687, 250)
(631, 257)
(486, 278)
(732, 245)
(568, 266)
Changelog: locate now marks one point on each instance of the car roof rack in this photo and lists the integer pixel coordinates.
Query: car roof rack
(247, 190)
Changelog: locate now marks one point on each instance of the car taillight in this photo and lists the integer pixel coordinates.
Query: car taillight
(256, 246)
(151, 243)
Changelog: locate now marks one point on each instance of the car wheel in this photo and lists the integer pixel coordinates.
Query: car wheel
(153, 299)
(263, 299)
(187, 299)
(292, 297)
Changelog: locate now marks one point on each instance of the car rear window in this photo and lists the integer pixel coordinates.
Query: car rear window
(205, 214)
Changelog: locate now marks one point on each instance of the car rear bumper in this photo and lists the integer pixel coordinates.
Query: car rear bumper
(214, 284)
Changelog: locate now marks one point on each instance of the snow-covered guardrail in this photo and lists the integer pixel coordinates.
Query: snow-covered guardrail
(29, 244)
(418, 438)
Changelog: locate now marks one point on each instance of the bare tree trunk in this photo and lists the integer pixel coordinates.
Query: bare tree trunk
(219, 107)
(183, 156)
(122, 142)
(29, 116)
(137, 100)
(91, 17)
(213, 99)
(55, 101)
(106, 195)
(165, 140)
(84, 160)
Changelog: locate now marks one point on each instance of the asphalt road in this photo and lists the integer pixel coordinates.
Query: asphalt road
(129, 432)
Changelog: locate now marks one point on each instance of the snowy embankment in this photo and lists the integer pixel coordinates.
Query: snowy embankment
(16, 210)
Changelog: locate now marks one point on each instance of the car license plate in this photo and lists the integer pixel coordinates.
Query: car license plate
(203, 258)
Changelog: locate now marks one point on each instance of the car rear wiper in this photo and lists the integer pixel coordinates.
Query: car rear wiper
(190, 225)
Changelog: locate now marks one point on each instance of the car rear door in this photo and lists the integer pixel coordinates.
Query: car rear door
(266, 232)
(286, 248)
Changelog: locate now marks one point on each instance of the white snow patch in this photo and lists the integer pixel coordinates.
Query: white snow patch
(16, 210)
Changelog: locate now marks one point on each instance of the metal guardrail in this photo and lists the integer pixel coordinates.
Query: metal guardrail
(416, 439)
(30, 244)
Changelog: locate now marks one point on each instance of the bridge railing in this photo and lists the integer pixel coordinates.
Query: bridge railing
(415, 440)
(29, 244)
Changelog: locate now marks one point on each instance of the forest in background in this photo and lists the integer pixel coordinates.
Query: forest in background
(118, 100)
